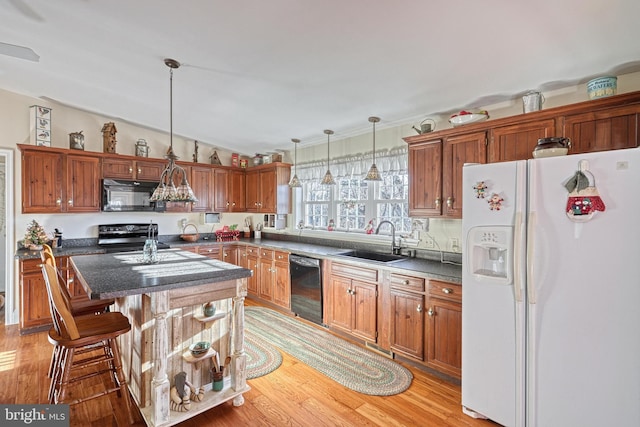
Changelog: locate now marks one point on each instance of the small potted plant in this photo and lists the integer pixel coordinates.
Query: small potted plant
(35, 236)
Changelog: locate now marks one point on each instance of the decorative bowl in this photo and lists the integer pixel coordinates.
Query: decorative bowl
(199, 349)
(466, 117)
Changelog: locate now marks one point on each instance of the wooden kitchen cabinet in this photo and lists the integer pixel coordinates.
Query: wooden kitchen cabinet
(516, 142)
(354, 300)
(229, 254)
(458, 150)
(250, 260)
(129, 169)
(425, 178)
(608, 129)
(267, 189)
(229, 189)
(213, 251)
(83, 190)
(53, 182)
(202, 185)
(274, 284)
(407, 306)
(34, 302)
(444, 332)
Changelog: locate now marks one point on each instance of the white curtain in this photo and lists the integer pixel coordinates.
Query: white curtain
(392, 161)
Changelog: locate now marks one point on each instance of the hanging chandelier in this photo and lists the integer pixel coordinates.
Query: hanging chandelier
(167, 191)
(295, 182)
(373, 174)
(328, 178)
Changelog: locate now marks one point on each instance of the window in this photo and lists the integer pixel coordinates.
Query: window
(353, 202)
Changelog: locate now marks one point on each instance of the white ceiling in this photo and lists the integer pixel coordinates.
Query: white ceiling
(256, 73)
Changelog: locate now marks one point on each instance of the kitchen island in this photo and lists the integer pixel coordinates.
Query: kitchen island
(163, 303)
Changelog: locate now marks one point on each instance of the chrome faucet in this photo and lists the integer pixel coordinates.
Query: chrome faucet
(395, 249)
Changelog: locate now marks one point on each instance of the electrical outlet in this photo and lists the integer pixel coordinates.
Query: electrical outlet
(454, 244)
(429, 243)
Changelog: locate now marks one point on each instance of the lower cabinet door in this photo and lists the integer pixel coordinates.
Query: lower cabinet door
(407, 323)
(444, 338)
(341, 308)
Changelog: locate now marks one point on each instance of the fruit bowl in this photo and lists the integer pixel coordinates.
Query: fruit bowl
(199, 349)
(465, 117)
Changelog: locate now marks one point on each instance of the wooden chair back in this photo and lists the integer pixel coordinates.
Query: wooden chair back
(61, 312)
(47, 257)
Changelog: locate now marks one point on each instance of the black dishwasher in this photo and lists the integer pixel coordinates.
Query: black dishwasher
(306, 287)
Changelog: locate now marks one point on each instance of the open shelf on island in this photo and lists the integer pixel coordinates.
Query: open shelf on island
(203, 318)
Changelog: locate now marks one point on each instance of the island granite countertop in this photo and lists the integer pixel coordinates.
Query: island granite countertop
(123, 274)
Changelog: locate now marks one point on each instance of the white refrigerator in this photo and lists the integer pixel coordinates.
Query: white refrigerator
(551, 291)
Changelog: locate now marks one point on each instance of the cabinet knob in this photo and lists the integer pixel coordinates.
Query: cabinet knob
(280, 256)
(449, 202)
(233, 204)
(437, 202)
(430, 312)
(224, 254)
(256, 203)
(447, 290)
(139, 171)
(406, 281)
(419, 308)
(70, 202)
(227, 204)
(58, 202)
(130, 169)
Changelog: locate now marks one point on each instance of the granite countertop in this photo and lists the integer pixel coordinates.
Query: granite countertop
(122, 274)
(431, 267)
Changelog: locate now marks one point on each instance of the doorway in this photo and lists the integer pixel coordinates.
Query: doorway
(8, 313)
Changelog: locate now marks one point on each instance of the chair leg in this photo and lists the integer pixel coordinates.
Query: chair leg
(122, 382)
(64, 372)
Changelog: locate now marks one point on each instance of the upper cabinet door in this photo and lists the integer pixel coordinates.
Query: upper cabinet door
(609, 129)
(458, 150)
(202, 186)
(42, 175)
(149, 170)
(516, 142)
(425, 179)
(83, 184)
(221, 196)
(118, 168)
(237, 191)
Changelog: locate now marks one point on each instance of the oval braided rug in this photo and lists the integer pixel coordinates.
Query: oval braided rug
(346, 363)
(262, 357)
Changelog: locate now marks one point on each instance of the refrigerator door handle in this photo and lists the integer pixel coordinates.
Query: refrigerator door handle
(531, 292)
(517, 263)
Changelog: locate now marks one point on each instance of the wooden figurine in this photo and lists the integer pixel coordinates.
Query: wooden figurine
(195, 154)
(109, 137)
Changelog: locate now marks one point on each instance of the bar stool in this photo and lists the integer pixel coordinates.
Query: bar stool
(92, 336)
(78, 307)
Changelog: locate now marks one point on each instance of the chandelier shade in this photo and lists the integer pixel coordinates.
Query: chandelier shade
(295, 181)
(328, 178)
(374, 173)
(167, 191)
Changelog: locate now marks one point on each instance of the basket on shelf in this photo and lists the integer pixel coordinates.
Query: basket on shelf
(190, 237)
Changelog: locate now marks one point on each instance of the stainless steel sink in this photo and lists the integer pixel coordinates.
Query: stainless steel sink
(372, 256)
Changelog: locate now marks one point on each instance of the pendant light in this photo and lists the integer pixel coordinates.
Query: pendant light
(328, 178)
(295, 182)
(373, 174)
(167, 190)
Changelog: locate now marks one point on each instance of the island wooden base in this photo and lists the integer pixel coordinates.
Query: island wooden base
(164, 324)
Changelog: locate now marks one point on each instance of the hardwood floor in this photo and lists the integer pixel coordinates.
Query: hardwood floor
(293, 395)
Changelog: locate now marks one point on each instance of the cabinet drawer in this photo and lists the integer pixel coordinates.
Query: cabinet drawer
(210, 251)
(280, 256)
(30, 265)
(400, 281)
(252, 250)
(445, 290)
(266, 253)
(353, 272)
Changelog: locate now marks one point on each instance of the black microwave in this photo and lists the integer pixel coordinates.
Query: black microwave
(129, 196)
